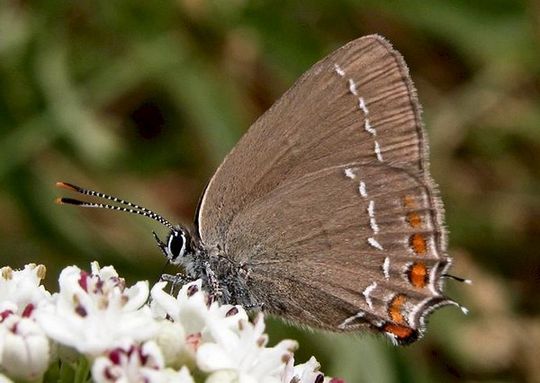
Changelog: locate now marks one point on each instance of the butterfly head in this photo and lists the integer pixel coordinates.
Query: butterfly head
(178, 245)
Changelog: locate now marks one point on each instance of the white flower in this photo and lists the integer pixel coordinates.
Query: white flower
(128, 340)
(130, 363)
(224, 376)
(24, 348)
(96, 312)
(245, 352)
(171, 339)
(136, 363)
(20, 290)
(303, 373)
(191, 309)
(182, 376)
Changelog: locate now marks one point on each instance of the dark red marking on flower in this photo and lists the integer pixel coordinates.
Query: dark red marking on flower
(109, 375)
(4, 314)
(231, 312)
(83, 280)
(79, 309)
(194, 340)
(142, 356)
(319, 378)
(114, 355)
(192, 290)
(28, 310)
(261, 341)
(285, 358)
(99, 286)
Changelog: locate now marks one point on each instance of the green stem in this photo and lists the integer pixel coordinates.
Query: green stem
(82, 371)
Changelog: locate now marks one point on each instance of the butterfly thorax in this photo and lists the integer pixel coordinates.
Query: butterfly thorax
(225, 280)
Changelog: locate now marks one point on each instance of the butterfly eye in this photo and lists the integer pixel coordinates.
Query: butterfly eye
(176, 245)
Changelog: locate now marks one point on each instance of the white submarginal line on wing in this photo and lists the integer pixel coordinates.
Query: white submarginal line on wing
(362, 189)
(372, 221)
(369, 128)
(362, 105)
(367, 125)
(378, 152)
(358, 315)
(352, 87)
(367, 294)
(374, 243)
(350, 173)
(339, 71)
(386, 268)
(371, 208)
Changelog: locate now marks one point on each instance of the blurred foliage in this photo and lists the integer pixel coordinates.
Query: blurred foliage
(143, 100)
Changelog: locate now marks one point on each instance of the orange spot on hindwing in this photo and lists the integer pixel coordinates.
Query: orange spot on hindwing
(403, 334)
(395, 309)
(414, 220)
(418, 244)
(408, 201)
(398, 328)
(418, 274)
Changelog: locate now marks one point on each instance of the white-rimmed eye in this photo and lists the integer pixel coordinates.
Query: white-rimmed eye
(176, 245)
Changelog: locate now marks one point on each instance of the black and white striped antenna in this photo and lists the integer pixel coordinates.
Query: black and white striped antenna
(132, 208)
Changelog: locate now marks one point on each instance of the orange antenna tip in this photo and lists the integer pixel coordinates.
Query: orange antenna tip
(65, 185)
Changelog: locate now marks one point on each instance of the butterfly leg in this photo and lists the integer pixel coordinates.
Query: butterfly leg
(254, 306)
(161, 245)
(177, 280)
(215, 292)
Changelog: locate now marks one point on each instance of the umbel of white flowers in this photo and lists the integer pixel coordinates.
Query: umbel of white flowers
(97, 326)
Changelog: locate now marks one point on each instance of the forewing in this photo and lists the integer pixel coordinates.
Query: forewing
(357, 99)
(349, 121)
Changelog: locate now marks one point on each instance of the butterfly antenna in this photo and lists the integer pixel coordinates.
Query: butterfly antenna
(132, 208)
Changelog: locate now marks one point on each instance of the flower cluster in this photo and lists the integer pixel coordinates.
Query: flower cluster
(97, 325)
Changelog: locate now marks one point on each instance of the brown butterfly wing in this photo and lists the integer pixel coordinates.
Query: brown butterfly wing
(328, 200)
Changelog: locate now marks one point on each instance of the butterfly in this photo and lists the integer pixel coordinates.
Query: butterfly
(324, 213)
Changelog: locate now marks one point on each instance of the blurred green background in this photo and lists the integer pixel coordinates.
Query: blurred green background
(144, 99)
